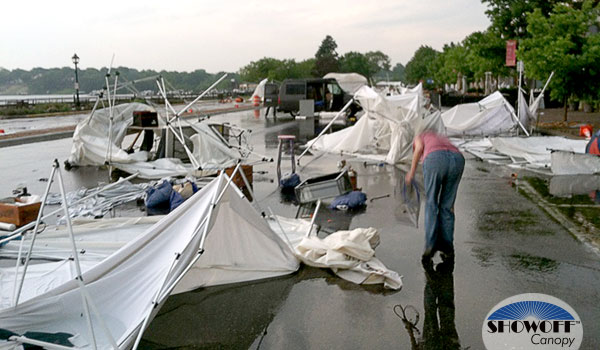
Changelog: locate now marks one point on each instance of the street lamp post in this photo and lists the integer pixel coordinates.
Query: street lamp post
(75, 59)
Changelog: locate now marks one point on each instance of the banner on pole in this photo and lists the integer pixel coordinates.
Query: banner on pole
(511, 53)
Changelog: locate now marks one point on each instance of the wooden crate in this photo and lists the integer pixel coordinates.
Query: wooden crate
(18, 214)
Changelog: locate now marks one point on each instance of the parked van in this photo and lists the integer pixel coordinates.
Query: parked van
(326, 93)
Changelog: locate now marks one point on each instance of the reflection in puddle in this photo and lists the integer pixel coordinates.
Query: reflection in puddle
(525, 262)
(519, 221)
(439, 328)
(484, 255)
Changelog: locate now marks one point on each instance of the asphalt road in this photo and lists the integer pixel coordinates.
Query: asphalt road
(505, 245)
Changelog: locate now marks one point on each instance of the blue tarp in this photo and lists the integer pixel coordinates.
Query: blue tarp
(350, 200)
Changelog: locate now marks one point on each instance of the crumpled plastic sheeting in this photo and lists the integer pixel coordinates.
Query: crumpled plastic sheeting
(568, 163)
(351, 255)
(569, 185)
(103, 202)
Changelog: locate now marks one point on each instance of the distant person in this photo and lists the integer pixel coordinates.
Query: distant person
(274, 111)
(328, 101)
(593, 147)
(443, 165)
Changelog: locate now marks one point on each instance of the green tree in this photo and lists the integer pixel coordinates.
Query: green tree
(398, 72)
(509, 17)
(355, 62)
(326, 58)
(420, 65)
(275, 69)
(486, 52)
(566, 42)
(450, 65)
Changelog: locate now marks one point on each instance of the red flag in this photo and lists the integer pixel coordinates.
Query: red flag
(511, 53)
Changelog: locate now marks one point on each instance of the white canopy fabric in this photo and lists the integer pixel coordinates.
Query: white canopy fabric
(91, 143)
(349, 82)
(91, 136)
(123, 288)
(385, 131)
(211, 150)
(569, 163)
(492, 115)
(260, 89)
(536, 150)
(569, 185)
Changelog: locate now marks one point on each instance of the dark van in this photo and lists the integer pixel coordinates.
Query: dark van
(326, 93)
(271, 94)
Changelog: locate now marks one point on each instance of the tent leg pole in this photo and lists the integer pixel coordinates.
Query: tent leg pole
(75, 254)
(89, 299)
(17, 292)
(281, 228)
(153, 304)
(312, 221)
(326, 128)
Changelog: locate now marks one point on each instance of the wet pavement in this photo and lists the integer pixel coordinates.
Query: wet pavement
(505, 245)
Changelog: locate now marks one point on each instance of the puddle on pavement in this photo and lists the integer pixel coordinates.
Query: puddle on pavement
(575, 196)
(519, 221)
(529, 263)
(484, 256)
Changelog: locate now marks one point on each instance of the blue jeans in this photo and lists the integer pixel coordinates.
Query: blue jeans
(442, 171)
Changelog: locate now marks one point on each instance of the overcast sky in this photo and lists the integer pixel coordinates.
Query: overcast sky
(214, 35)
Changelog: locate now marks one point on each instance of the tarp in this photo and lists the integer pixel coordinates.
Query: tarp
(493, 115)
(351, 255)
(123, 287)
(569, 163)
(349, 82)
(386, 131)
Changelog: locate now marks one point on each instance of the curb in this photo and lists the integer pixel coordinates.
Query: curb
(35, 138)
(572, 228)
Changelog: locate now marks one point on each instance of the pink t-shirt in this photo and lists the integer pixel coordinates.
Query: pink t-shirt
(435, 142)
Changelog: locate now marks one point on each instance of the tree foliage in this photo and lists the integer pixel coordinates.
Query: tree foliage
(566, 42)
(367, 64)
(61, 80)
(420, 67)
(485, 52)
(398, 72)
(509, 17)
(326, 58)
(275, 69)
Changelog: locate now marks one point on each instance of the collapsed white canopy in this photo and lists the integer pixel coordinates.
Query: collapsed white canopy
(492, 115)
(91, 136)
(536, 150)
(386, 130)
(122, 288)
(92, 145)
(349, 82)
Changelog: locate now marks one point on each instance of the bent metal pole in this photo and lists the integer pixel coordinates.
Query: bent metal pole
(326, 128)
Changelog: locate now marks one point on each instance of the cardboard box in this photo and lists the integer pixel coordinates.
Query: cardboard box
(13, 211)
(239, 181)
